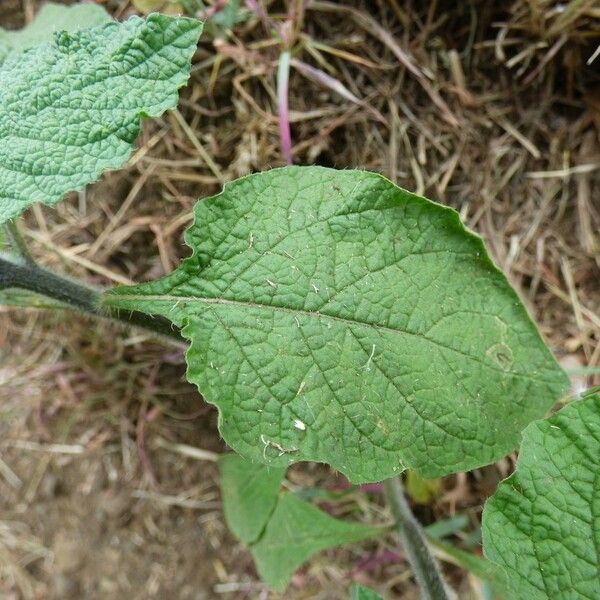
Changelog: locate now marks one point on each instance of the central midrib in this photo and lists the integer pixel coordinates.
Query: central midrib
(293, 311)
(110, 300)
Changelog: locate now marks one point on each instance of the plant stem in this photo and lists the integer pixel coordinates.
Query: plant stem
(283, 75)
(76, 295)
(425, 568)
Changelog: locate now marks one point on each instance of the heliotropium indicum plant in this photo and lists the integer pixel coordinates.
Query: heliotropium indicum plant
(330, 316)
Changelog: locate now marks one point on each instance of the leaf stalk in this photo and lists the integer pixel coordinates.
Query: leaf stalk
(16, 272)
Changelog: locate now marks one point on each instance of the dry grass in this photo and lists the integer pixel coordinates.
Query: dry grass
(488, 107)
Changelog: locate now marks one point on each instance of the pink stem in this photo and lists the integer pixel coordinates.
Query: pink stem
(283, 75)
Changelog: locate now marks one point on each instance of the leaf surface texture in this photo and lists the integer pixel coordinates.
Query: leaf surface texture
(543, 523)
(71, 108)
(335, 317)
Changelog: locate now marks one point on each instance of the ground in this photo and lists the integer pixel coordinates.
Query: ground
(108, 481)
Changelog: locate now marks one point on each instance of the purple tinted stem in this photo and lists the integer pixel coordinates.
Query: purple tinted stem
(283, 75)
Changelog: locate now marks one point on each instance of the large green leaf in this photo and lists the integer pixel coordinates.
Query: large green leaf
(336, 317)
(51, 19)
(296, 531)
(249, 491)
(543, 523)
(71, 108)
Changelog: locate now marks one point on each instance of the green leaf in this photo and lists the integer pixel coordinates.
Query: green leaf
(249, 493)
(283, 531)
(444, 527)
(50, 19)
(296, 531)
(71, 108)
(230, 15)
(336, 317)
(360, 592)
(543, 523)
(420, 489)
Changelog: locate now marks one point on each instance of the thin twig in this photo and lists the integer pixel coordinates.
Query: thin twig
(19, 242)
(204, 155)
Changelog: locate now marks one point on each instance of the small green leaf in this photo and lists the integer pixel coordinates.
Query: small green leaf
(296, 531)
(282, 531)
(543, 523)
(51, 18)
(420, 489)
(335, 317)
(71, 108)
(230, 15)
(360, 592)
(249, 492)
(444, 527)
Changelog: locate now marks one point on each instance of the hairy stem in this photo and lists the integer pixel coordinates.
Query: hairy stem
(425, 568)
(75, 295)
